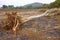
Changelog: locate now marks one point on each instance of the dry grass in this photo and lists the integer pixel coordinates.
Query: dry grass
(13, 22)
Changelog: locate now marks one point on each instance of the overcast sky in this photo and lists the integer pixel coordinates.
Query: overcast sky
(22, 2)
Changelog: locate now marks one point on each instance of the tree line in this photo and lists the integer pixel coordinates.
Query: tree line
(55, 4)
(10, 7)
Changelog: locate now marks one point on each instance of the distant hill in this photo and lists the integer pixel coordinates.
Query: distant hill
(33, 5)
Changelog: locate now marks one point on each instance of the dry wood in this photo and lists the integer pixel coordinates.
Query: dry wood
(13, 21)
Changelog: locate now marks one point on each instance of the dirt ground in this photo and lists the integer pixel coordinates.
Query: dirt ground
(43, 28)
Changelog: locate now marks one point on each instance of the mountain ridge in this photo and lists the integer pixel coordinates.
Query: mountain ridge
(33, 5)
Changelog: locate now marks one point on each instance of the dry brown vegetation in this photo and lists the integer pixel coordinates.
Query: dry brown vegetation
(13, 23)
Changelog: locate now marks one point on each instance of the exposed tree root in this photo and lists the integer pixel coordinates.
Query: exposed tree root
(13, 21)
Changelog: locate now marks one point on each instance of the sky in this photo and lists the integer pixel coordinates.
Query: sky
(22, 2)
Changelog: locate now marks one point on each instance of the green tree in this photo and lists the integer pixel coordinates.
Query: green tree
(57, 1)
(10, 6)
(4, 6)
(55, 4)
(29, 6)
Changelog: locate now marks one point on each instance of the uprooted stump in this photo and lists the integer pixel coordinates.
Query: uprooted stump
(13, 21)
